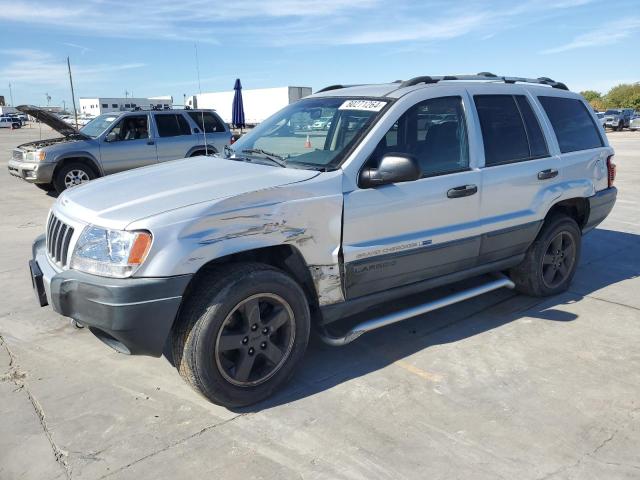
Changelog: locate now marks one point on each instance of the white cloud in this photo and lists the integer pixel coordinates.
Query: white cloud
(29, 67)
(277, 22)
(608, 34)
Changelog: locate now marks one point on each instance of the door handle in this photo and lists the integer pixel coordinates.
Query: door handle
(150, 142)
(547, 174)
(462, 191)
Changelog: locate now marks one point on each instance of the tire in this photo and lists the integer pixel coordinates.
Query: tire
(84, 173)
(535, 275)
(47, 187)
(220, 307)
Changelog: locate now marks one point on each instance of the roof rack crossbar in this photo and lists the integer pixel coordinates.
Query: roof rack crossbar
(335, 87)
(483, 76)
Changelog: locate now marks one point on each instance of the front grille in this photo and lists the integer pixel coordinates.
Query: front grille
(17, 155)
(58, 239)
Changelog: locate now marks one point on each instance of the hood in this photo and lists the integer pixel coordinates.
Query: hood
(117, 200)
(51, 119)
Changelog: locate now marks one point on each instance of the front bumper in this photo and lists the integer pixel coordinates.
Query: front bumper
(131, 315)
(600, 205)
(33, 172)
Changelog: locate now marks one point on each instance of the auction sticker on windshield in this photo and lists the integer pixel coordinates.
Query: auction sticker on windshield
(366, 105)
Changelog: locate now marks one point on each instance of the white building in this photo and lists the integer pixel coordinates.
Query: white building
(96, 106)
(259, 103)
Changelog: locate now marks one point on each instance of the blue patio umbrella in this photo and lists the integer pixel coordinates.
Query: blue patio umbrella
(237, 113)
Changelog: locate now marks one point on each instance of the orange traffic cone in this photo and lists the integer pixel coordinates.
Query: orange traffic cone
(307, 143)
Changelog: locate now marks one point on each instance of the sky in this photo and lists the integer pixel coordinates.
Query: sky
(148, 47)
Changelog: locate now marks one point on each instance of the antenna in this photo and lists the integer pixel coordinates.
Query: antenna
(204, 127)
(73, 97)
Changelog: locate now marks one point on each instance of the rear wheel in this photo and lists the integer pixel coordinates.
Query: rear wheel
(72, 174)
(241, 333)
(551, 260)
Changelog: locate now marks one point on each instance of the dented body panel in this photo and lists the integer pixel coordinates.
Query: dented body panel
(306, 215)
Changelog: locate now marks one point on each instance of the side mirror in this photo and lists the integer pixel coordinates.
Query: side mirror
(111, 137)
(393, 168)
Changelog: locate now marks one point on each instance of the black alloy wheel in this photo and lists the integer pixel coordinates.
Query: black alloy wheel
(558, 260)
(255, 340)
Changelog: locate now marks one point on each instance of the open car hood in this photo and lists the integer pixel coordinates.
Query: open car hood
(51, 119)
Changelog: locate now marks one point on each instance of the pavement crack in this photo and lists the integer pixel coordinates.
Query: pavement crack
(175, 444)
(606, 301)
(17, 376)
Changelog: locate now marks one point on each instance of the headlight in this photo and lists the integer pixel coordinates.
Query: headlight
(110, 253)
(37, 156)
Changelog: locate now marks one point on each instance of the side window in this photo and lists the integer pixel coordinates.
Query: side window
(434, 131)
(208, 120)
(503, 132)
(133, 127)
(573, 124)
(172, 125)
(537, 144)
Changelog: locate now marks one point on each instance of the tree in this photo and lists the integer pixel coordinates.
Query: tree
(598, 104)
(591, 95)
(624, 96)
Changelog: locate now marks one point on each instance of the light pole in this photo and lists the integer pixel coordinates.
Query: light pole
(11, 94)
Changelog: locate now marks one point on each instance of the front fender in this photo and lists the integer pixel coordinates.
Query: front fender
(80, 154)
(306, 215)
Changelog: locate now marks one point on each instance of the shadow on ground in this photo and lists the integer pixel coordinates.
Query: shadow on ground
(325, 367)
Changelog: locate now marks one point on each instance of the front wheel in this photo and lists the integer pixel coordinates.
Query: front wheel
(551, 260)
(71, 175)
(241, 333)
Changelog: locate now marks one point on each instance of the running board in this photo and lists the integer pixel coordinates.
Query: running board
(401, 315)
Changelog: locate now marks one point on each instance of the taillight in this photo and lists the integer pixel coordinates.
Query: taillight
(611, 171)
(232, 140)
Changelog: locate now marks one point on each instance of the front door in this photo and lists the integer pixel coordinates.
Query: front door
(403, 233)
(128, 145)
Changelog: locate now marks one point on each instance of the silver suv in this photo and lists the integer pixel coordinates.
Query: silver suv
(234, 258)
(114, 142)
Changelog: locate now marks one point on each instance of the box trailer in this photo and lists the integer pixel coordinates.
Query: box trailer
(259, 103)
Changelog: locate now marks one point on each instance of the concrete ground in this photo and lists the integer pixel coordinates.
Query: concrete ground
(502, 386)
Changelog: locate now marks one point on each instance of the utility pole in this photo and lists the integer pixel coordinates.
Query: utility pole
(64, 106)
(73, 96)
(11, 94)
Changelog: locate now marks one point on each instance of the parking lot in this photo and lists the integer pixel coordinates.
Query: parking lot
(501, 386)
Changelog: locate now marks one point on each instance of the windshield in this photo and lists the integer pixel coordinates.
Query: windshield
(612, 112)
(98, 125)
(313, 133)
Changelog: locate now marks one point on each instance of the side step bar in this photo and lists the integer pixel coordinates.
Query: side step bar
(395, 317)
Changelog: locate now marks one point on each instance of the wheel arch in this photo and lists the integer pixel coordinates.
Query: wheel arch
(200, 149)
(284, 257)
(576, 208)
(82, 157)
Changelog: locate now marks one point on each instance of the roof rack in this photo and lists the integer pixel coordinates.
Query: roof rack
(483, 76)
(333, 87)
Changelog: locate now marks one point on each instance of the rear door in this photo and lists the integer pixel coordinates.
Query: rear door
(174, 136)
(398, 234)
(519, 171)
(211, 127)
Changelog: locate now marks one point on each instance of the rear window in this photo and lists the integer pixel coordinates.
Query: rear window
(510, 129)
(573, 124)
(208, 120)
(172, 125)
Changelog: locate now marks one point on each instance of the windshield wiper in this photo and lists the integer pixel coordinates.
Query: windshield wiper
(277, 159)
